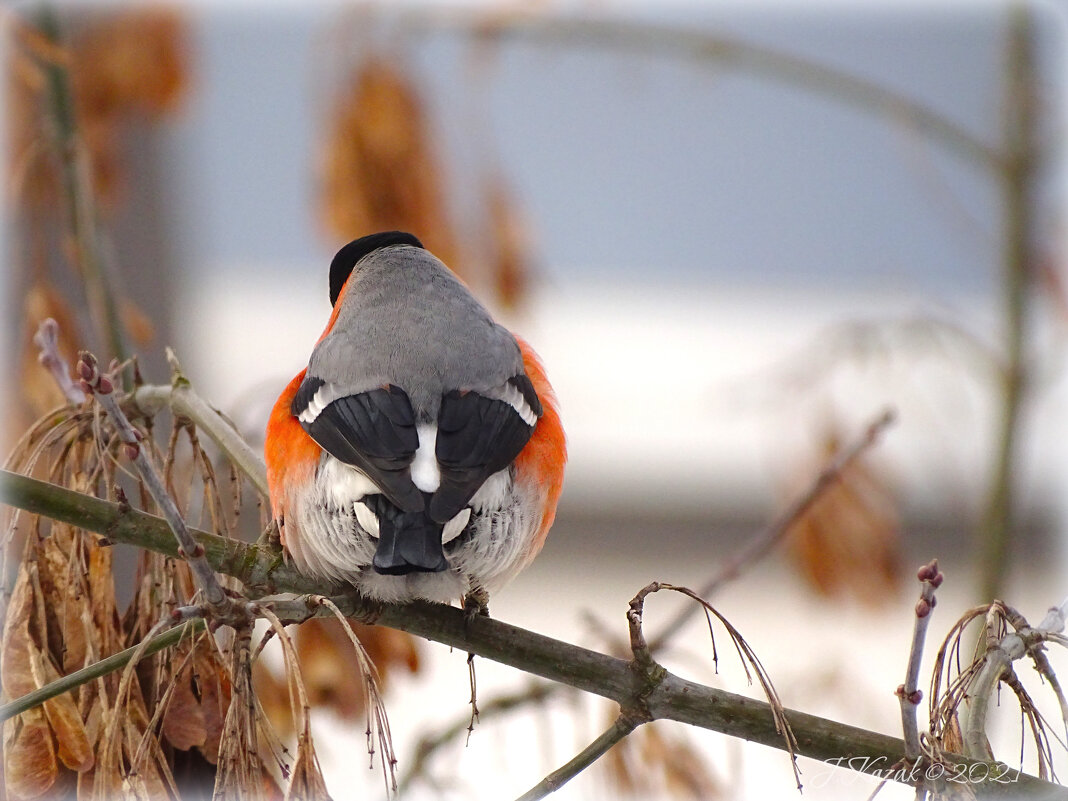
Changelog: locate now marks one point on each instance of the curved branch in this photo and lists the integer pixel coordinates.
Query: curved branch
(183, 401)
(702, 47)
(673, 698)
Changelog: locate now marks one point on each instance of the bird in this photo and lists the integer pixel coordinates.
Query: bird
(420, 454)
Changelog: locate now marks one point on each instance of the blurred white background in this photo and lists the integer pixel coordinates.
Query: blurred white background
(727, 267)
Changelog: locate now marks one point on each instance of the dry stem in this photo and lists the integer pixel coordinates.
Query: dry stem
(909, 693)
(223, 610)
(760, 546)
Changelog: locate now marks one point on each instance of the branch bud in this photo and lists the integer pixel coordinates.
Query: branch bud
(928, 572)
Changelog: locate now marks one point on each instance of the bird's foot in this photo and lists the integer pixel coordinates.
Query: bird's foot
(476, 603)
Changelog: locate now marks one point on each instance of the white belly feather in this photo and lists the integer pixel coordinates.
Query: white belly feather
(336, 534)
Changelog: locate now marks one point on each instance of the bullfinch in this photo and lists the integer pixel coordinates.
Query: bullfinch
(420, 453)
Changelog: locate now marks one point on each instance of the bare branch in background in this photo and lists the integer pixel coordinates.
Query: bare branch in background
(759, 547)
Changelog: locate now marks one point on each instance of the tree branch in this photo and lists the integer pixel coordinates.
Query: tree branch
(183, 401)
(909, 693)
(78, 193)
(703, 47)
(223, 608)
(262, 570)
(622, 726)
(1000, 654)
(97, 669)
(758, 547)
(1018, 174)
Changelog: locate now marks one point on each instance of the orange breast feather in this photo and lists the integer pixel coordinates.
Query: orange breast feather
(291, 455)
(542, 460)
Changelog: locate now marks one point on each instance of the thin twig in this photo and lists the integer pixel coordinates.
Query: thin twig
(47, 341)
(909, 693)
(747, 655)
(428, 745)
(622, 726)
(377, 720)
(222, 608)
(183, 400)
(758, 547)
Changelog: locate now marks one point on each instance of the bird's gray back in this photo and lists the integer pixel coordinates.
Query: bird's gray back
(406, 320)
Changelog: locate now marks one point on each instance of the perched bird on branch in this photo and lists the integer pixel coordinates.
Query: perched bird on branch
(420, 454)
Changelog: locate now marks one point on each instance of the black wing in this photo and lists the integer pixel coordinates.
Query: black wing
(373, 431)
(477, 436)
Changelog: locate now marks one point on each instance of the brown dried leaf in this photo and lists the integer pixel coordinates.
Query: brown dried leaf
(75, 749)
(107, 780)
(105, 612)
(378, 170)
(325, 656)
(128, 64)
(30, 767)
(137, 323)
(273, 694)
(16, 669)
(133, 61)
(94, 720)
(215, 692)
(66, 598)
(183, 722)
(124, 64)
(650, 763)
(848, 542)
(952, 738)
(510, 240)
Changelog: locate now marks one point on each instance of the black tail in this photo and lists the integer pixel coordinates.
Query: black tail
(408, 542)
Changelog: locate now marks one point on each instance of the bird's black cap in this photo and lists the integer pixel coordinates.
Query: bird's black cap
(345, 260)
